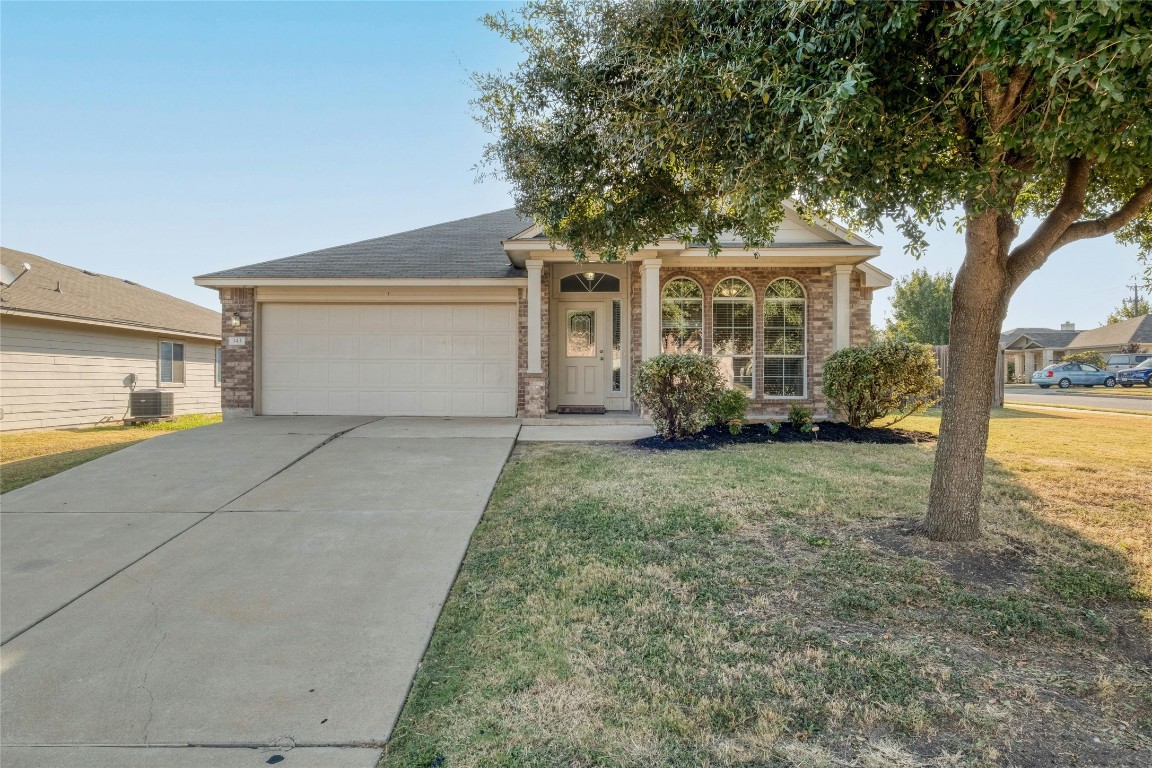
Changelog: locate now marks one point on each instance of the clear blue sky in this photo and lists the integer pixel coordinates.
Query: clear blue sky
(157, 141)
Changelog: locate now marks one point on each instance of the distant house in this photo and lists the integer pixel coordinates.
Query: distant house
(75, 344)
(1030, 349)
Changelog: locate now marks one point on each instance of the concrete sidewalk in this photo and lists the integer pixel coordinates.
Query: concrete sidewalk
(292, 614)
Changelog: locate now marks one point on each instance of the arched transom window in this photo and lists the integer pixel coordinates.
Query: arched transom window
(732, 331)
(785, 340)
(681, 317)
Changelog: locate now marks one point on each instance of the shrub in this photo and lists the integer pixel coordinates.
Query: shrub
(800, 418)
(1092, 358)
(869, 383)
(678, 391)
(729, 409)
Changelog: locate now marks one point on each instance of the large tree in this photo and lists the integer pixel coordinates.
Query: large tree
(628, 121)
(921, 307)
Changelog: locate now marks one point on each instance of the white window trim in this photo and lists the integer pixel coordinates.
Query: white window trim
(764, 342)
(752, 301)
(218, 358)
(159, 360)
(703, 321)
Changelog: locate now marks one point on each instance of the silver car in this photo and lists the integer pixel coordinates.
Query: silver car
(1065, 375)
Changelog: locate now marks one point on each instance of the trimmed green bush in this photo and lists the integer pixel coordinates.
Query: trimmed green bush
(678, 391)
(730, 410)
(800, 418)
(868, 383)
(1092, 358)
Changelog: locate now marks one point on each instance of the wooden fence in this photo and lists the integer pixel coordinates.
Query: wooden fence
(941, 353)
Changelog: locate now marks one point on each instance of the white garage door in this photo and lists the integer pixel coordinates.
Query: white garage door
(388, 360)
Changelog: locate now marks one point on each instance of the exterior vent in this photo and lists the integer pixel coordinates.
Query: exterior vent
(150, 405)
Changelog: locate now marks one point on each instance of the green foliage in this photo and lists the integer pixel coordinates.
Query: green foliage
(1092, 358)
(1128, 310)
(730, 410)
(800, 418)
(869, 383)
(678, 391)
(921, 308)
(627, 121)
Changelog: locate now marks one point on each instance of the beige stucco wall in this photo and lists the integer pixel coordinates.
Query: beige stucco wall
(58, 374)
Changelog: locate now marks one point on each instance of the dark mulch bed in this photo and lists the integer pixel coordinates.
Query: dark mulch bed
(830, 432)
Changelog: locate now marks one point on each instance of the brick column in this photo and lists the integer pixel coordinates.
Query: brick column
(238, 373)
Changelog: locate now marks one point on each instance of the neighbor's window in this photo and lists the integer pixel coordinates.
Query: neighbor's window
(732, 331)
(785, 340)
(681, 317)
(171, 362)
(219, 364)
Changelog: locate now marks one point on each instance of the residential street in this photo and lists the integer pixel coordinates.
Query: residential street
(1078, 397)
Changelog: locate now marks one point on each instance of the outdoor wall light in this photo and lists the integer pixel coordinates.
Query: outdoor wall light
(589, 276)
(235, 321)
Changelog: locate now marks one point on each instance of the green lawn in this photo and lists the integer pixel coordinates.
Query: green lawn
(765, 606)
(26, 457)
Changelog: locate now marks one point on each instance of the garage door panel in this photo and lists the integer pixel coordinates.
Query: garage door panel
(466, 374)
(498, 348)
(465, 346)
(400, 359)
(497, 319)
(465, 318)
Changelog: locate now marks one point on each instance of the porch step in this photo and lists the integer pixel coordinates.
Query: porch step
(586, 420)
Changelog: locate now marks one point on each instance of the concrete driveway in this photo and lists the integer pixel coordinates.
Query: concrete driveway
(228, 594)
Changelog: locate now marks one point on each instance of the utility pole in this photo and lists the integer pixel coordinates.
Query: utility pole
(1135, 295)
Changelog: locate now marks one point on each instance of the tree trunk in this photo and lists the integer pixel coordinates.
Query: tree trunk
(979, 305)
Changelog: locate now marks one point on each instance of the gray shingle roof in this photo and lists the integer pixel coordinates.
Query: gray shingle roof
(1045, 337)
(457, 249)
(85, 295)
(1137, 329)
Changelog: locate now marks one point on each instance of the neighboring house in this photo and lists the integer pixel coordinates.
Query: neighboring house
(482, 317)
(75, 344)
(1030, 349)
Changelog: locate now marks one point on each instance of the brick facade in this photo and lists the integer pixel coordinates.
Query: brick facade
(818, 288)
(238, 373)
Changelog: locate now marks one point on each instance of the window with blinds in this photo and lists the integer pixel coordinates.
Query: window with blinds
(733, 331)
(785, 340)
(681, 317)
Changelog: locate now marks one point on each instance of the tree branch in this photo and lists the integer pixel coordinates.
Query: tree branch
(1109, 224)
(1030, 254)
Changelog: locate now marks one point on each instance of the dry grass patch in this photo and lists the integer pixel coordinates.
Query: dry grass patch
(26, 457)
(765, 605)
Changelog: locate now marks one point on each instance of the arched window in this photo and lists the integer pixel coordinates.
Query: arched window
(732, 331)
(681, 317)
(785, 340)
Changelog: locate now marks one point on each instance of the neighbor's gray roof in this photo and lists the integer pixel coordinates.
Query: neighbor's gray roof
(457, 249)
(61, 292)
(1045, 337)
(1137, 329)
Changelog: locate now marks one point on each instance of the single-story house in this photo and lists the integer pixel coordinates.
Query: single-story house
(1030, 349)
(483, 317)
(74, 345)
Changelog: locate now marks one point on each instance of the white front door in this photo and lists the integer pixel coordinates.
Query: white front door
(583, 333)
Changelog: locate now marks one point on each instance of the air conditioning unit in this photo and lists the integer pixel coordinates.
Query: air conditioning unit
(150, 405)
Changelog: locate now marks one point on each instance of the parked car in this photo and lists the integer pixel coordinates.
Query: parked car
(1065, 375)
(1119, 362)
(1141, 374)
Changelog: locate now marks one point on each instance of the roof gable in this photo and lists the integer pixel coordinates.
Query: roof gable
(54, 290)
